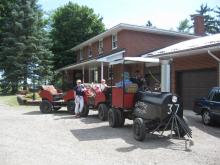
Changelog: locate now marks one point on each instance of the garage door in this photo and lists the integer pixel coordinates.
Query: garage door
(195, 84)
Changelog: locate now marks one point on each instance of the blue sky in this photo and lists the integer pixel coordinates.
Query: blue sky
(164, 14)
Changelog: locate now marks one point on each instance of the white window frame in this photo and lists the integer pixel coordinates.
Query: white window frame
(101, 46)
(114, 41)
(90, 51)
(81, 54)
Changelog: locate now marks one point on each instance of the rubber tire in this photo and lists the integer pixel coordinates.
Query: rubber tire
(205, 121)
(71, 107)
(121, 118)
(46, 106)
(103, 112)
(181, 130)
(139, 129)
(112, 118)
(85, 111)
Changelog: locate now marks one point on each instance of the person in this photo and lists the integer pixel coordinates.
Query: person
(126, 82)
(103, 85)
(79, 101)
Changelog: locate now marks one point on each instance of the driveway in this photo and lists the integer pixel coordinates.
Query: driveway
(28, 137)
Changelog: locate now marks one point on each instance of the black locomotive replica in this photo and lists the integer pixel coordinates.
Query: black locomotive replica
(154, 111)
(150, 111)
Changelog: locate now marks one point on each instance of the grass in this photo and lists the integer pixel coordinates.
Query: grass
(9, 100)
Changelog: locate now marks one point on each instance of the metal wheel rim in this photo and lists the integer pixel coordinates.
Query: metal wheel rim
(206, 117)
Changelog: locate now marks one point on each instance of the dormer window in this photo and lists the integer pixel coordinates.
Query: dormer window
(114, 41)
(100, 46)
(81, 55)
(90, 51)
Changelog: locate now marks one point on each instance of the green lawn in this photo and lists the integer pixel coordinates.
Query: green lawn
(9, 100)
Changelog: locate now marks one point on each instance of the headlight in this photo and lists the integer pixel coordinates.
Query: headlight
(174, 99)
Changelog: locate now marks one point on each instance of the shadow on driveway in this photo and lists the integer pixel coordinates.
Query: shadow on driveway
(152, 141)
(196, 121)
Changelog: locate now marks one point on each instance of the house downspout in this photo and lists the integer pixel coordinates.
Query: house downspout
(218, 60)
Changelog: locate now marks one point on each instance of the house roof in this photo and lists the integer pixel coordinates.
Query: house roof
(123, 26)
(196, 44)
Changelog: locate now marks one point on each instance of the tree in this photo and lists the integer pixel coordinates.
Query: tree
(71, 25)
(22, 49)
(149, 24)
(209, 20)
(217, 20)
(184, 26)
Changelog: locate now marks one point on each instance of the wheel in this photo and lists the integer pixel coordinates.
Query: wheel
(121, 118)
(71, 107)
(139, 129)
(55, 109)
(85, 111)
(112, 118)
(206, 118)
(45, 106)
(103, 112)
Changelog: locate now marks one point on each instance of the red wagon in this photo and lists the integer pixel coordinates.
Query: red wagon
(95, 99)
(53, 99)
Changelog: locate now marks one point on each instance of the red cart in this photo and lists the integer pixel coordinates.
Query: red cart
(53, 99)
(95, 99)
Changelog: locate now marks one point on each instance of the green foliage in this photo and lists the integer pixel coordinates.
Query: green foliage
(24, 45)
(184, 26)
(71, 25)
(209, 20)
(149, 23)
(217, 20)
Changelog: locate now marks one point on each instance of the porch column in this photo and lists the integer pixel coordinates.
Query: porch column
(165, 75)
(101, 70)
(83, 73)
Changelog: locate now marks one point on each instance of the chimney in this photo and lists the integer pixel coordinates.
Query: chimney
(199, 26)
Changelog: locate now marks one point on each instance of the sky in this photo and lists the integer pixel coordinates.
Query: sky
(165, 14)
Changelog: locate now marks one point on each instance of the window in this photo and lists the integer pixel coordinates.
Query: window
(90, 51)
(101, 46)
(110, 74)
(216, 96)
(93, 75)
(114, 41)
(81, 54)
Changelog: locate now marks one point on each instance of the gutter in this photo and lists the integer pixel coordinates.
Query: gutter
(185, 52)
(214, 56)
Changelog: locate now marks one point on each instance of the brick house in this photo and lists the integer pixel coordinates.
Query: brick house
(123, 39)
(194, 67)
(189, 64)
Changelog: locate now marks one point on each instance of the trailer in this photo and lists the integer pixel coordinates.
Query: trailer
(53, 99)
(96, 99)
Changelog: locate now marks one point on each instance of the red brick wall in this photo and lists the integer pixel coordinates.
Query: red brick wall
(137, 43)
(193, 62)
(107, 42)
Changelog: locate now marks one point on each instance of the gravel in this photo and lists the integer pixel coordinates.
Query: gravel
(28, 137)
